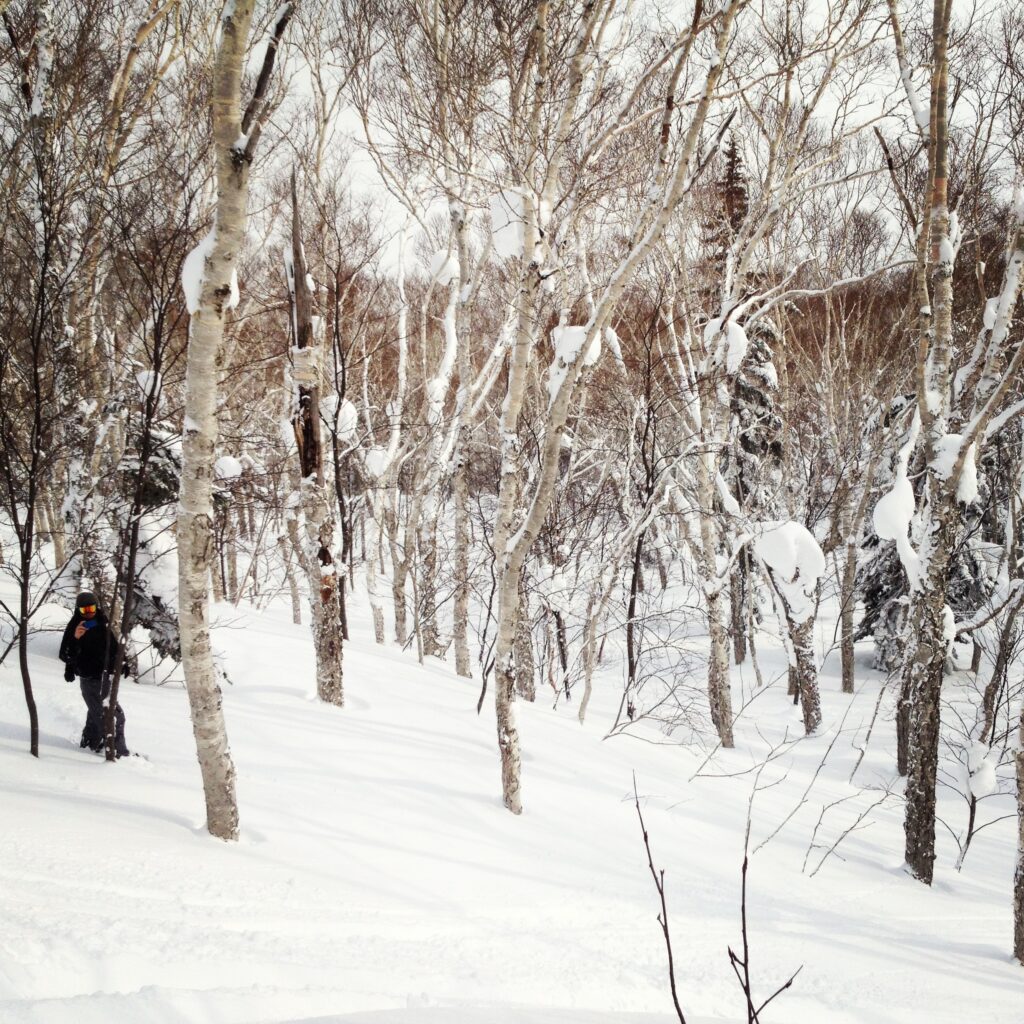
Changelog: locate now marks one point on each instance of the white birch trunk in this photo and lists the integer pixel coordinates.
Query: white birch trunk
(460, 483)
(719, 688)
(231, 556)
(1018, 877)
(925, 659)
(801, 637)
(314, 500)
(199, 435)
(293, 583)
(323, 594)
(371, 542)
(460, 630)
(526, 686)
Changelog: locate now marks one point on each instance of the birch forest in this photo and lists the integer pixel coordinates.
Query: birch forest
(522, 417)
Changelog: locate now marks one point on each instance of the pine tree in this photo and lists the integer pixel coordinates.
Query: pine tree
(753, 464)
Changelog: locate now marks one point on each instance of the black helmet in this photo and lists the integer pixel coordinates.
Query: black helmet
(86, 597)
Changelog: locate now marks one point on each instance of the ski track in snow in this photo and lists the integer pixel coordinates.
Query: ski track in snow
(379, 880)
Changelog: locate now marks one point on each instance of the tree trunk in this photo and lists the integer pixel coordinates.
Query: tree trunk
(526, 669)
(399, 571)
(194, 548)
(1008, 635)
(323, 596)
(509, 557)
(26, 678)
(738, 608)
(218, 573)
(399, 601)
(1018, 877)
(632, 648)
(460, 476)
(922, 684)
(848, 599)
(589, 656)
(231, 554)
(313, 495)
(199, 438)
(504, 692)
(57, 535)
(806, 671)
(562, 643)
(918, 715)
(719, 692)
(427, 592)
(371, 541)
(460, 631)
(293, 583)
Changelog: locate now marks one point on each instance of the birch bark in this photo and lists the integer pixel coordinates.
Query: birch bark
(918, 713)
(234, 139)
(1018, 877)
(313, 495)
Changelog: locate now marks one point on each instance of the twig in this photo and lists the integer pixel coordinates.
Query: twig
(659, 884)
(735, 961)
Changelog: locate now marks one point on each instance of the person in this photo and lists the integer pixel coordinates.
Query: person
(89, 650)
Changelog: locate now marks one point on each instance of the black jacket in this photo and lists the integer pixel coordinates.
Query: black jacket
(95, 653)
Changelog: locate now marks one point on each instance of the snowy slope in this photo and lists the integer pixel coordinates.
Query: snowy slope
(380, 881)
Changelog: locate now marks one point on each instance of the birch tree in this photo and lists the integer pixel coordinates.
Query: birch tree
(94, 424)
(1018, 876)
(211, 290)
(673, 170)
(957, 410)
(317, 554)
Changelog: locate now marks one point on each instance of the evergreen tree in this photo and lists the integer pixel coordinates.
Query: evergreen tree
(753, 463)
(882, 582)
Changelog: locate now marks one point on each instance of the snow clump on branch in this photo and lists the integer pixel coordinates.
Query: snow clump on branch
(796, 562)
(193, 275)
(735, 342)
(568, 342)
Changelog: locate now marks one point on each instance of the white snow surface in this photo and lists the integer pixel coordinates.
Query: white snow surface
(379, 880)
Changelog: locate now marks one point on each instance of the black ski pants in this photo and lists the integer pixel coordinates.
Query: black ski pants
(94, 691)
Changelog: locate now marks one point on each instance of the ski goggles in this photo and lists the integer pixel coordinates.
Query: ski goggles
(87, 609)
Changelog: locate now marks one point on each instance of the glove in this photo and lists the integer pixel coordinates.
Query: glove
(69, 673)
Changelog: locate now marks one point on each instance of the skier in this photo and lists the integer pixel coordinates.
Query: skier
(89, 650)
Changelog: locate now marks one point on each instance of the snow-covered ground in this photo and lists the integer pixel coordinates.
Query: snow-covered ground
(380, 881)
